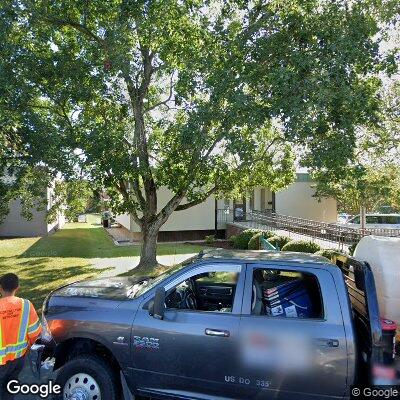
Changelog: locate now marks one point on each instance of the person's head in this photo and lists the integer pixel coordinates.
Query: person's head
(9, 284)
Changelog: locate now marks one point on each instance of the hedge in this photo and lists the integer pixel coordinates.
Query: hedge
(231, 240)
(327, 253)
(242, 240)
(352, 247)
(301, 246)
(254, 243)
(279, 241)
(210, 239)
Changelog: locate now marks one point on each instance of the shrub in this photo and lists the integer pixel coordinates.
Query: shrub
(279, 241)
(254, 242)
(269, 234)
(210, 239)
(242, 240)
(352, 248)
(301, 246)
(231, 240)
(327, 253)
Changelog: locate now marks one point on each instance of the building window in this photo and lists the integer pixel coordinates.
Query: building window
(252, 200)
(262, 205)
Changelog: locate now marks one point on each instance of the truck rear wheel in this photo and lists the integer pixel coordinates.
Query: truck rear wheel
(87, 377)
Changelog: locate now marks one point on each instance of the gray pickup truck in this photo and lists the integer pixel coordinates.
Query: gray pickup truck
(222, 325)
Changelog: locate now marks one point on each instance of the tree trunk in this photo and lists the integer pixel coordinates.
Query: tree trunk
(148, 253)
(363, 218)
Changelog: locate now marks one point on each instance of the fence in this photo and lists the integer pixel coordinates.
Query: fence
(340, 234)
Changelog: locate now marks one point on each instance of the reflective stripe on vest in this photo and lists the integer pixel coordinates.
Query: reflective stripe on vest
(34, 327)
(22, 342)
(1, 345)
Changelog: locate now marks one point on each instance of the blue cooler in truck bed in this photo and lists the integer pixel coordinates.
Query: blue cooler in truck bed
(290, 299)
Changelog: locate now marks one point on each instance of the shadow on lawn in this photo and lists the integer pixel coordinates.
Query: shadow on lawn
(36, 284)
(78, 243)
(93, 243)
(39, 276)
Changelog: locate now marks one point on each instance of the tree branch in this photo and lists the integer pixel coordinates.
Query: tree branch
(123, 190)
(147, 71)
(164, 102)
(169, 208)
(135, 182)
(196, 202)
(79, 27)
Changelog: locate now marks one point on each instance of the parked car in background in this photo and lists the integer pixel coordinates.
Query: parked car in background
(377, 221)
(343, 218)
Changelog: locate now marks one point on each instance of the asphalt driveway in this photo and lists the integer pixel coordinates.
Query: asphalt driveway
(27, 377)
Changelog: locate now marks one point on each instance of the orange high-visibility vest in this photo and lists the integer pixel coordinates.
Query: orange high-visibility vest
(19, 327)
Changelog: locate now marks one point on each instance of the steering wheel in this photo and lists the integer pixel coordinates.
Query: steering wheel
(190, 300)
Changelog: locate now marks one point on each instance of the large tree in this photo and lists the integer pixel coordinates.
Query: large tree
(372, 179)
(203, 98)
(371, 187)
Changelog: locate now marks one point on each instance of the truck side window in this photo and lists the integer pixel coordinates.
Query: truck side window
(280, 293)
(211, 291)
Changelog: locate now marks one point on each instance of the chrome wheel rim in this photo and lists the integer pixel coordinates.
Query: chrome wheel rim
(81, 387)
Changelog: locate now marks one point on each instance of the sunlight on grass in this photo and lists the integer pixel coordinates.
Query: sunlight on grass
(90, 240)
(44, 264)
(40, 275)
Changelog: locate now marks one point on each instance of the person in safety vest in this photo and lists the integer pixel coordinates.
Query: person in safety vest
(19, 328)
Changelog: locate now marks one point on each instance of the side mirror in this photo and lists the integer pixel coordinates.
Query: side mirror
(157, 306)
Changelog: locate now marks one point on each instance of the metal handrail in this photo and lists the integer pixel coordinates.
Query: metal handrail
(329, 231)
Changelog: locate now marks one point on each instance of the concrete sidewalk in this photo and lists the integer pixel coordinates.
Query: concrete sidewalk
(27, 377)
(120, 265)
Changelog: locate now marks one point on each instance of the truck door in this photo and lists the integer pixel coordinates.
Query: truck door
(192, 351)
(293, 343)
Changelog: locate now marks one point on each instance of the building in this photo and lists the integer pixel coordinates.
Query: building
(195, 223)
(15, 225)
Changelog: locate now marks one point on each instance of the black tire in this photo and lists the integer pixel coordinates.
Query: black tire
(95, 367)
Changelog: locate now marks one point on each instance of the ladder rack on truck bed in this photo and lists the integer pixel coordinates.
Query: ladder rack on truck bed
(360, 284)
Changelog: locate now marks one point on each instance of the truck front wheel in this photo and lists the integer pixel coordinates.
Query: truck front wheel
(87, 377)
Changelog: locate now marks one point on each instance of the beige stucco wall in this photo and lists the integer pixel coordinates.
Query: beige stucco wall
(124, 220)
(60, 221)
(15, 225)
(297, 200)
(200, 217)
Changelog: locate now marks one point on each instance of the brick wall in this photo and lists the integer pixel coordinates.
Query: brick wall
(233, 230)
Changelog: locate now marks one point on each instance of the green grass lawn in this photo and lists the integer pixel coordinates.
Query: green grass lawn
(43, 264)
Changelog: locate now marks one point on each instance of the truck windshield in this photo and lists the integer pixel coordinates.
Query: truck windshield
(151, 283)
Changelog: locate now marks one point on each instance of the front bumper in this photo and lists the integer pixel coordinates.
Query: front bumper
(41, 358)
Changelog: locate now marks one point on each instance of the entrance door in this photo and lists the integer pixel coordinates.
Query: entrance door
(239, 209)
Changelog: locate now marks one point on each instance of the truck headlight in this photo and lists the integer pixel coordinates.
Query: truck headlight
(46, 334)
(45, 306)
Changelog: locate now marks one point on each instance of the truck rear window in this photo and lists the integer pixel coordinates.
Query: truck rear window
(280, 293)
